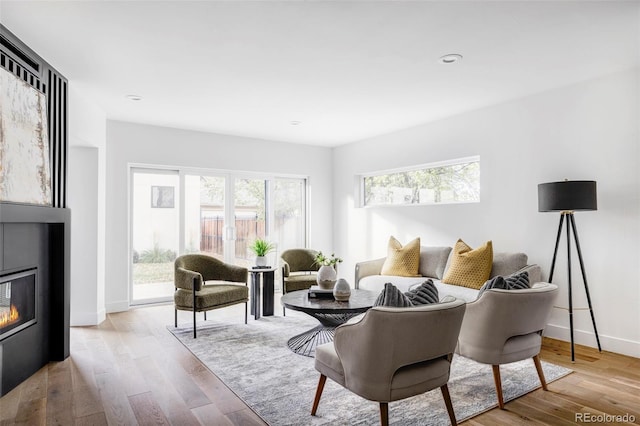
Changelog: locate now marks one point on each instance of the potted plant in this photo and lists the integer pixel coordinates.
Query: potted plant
(260, 248)
(327, 274)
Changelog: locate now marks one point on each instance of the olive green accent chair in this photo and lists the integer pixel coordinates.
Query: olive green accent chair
(193, 270)
(299, 270)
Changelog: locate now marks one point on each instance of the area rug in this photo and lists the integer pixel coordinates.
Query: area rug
(255, 362)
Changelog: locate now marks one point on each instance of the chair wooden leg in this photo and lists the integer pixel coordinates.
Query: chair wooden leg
(319, 390)
(447, 401)
(536, 361)
(496, 378)
(245, 312)
(175, 317)
(205, 315)
(384, 413)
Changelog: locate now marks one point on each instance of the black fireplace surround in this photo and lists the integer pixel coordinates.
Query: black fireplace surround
(34, 257)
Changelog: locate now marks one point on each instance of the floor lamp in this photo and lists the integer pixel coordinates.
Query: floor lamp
(567, 197)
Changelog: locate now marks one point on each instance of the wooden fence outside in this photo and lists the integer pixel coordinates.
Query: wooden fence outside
(212, 235)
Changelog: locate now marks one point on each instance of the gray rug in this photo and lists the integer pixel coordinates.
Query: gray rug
(255, 362)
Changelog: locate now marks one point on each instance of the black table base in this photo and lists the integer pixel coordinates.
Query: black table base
(305, 343)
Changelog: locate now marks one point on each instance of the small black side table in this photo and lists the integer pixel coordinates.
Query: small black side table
(268, 278)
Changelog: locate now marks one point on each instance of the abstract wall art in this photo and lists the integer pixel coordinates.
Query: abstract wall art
(25, 175)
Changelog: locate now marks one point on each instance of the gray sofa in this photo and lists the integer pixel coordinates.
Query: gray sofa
(434, 262)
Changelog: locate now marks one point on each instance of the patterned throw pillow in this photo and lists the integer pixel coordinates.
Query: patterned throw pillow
(392, 296)
(469, 267)
(402, 261)
(424, 294)
(512, 282)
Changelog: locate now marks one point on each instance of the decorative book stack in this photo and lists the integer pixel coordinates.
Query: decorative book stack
(315, 292)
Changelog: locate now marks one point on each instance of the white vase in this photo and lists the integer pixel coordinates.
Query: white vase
(261, 260)
(341, 291)
(326, 277)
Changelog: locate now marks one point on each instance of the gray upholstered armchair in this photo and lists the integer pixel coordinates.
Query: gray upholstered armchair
(191, 272)
(299, 269)
(386, 356)
(504, 326)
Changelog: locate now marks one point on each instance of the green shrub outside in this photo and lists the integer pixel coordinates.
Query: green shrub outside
(157, 255)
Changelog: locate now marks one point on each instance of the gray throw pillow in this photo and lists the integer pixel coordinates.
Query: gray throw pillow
(512, 282)
(424, 294)
(392, 296)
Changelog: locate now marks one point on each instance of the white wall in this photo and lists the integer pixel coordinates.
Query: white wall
(86, 199)
(142, 144)
(586, 131)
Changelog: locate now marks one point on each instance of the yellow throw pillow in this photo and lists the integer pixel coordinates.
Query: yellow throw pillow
(402, 261)
(469, 267)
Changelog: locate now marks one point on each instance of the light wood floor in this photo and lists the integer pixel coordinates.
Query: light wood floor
(130, 370)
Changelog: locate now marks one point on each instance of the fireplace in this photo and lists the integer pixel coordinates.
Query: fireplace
(17, 302)
(34, 266)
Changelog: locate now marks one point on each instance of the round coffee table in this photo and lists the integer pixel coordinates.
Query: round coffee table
(329, 312)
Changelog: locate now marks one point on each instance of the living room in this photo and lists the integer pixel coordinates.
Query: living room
(582, 124)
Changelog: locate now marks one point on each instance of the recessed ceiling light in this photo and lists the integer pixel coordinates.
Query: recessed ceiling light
(451, 58)
(295, 122)
(134, 97)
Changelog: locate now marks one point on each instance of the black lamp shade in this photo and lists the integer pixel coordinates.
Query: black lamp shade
(567, 195)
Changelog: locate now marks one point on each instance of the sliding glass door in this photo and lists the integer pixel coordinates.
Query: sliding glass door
(249, 217)
(219, 214)
(288, 202)
(155, 219)
(205, 224)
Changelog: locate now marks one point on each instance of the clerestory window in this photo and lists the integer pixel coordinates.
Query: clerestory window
(455, 181)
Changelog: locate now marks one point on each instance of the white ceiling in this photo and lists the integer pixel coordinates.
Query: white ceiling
(345, 70)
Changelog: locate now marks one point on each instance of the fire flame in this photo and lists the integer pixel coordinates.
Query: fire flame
(9, 317)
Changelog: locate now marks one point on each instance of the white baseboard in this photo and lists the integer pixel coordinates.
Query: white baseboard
(87, 318)
(586, 338)
(120, 306)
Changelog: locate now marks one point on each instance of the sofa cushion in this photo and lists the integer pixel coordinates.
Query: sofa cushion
(469, 267)
(424, 294)
(391, 296)
(376, 283)
(512, 282)
(402, 261)
(505, 264)
(212, 296)
(463, 293)
(433, 261)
